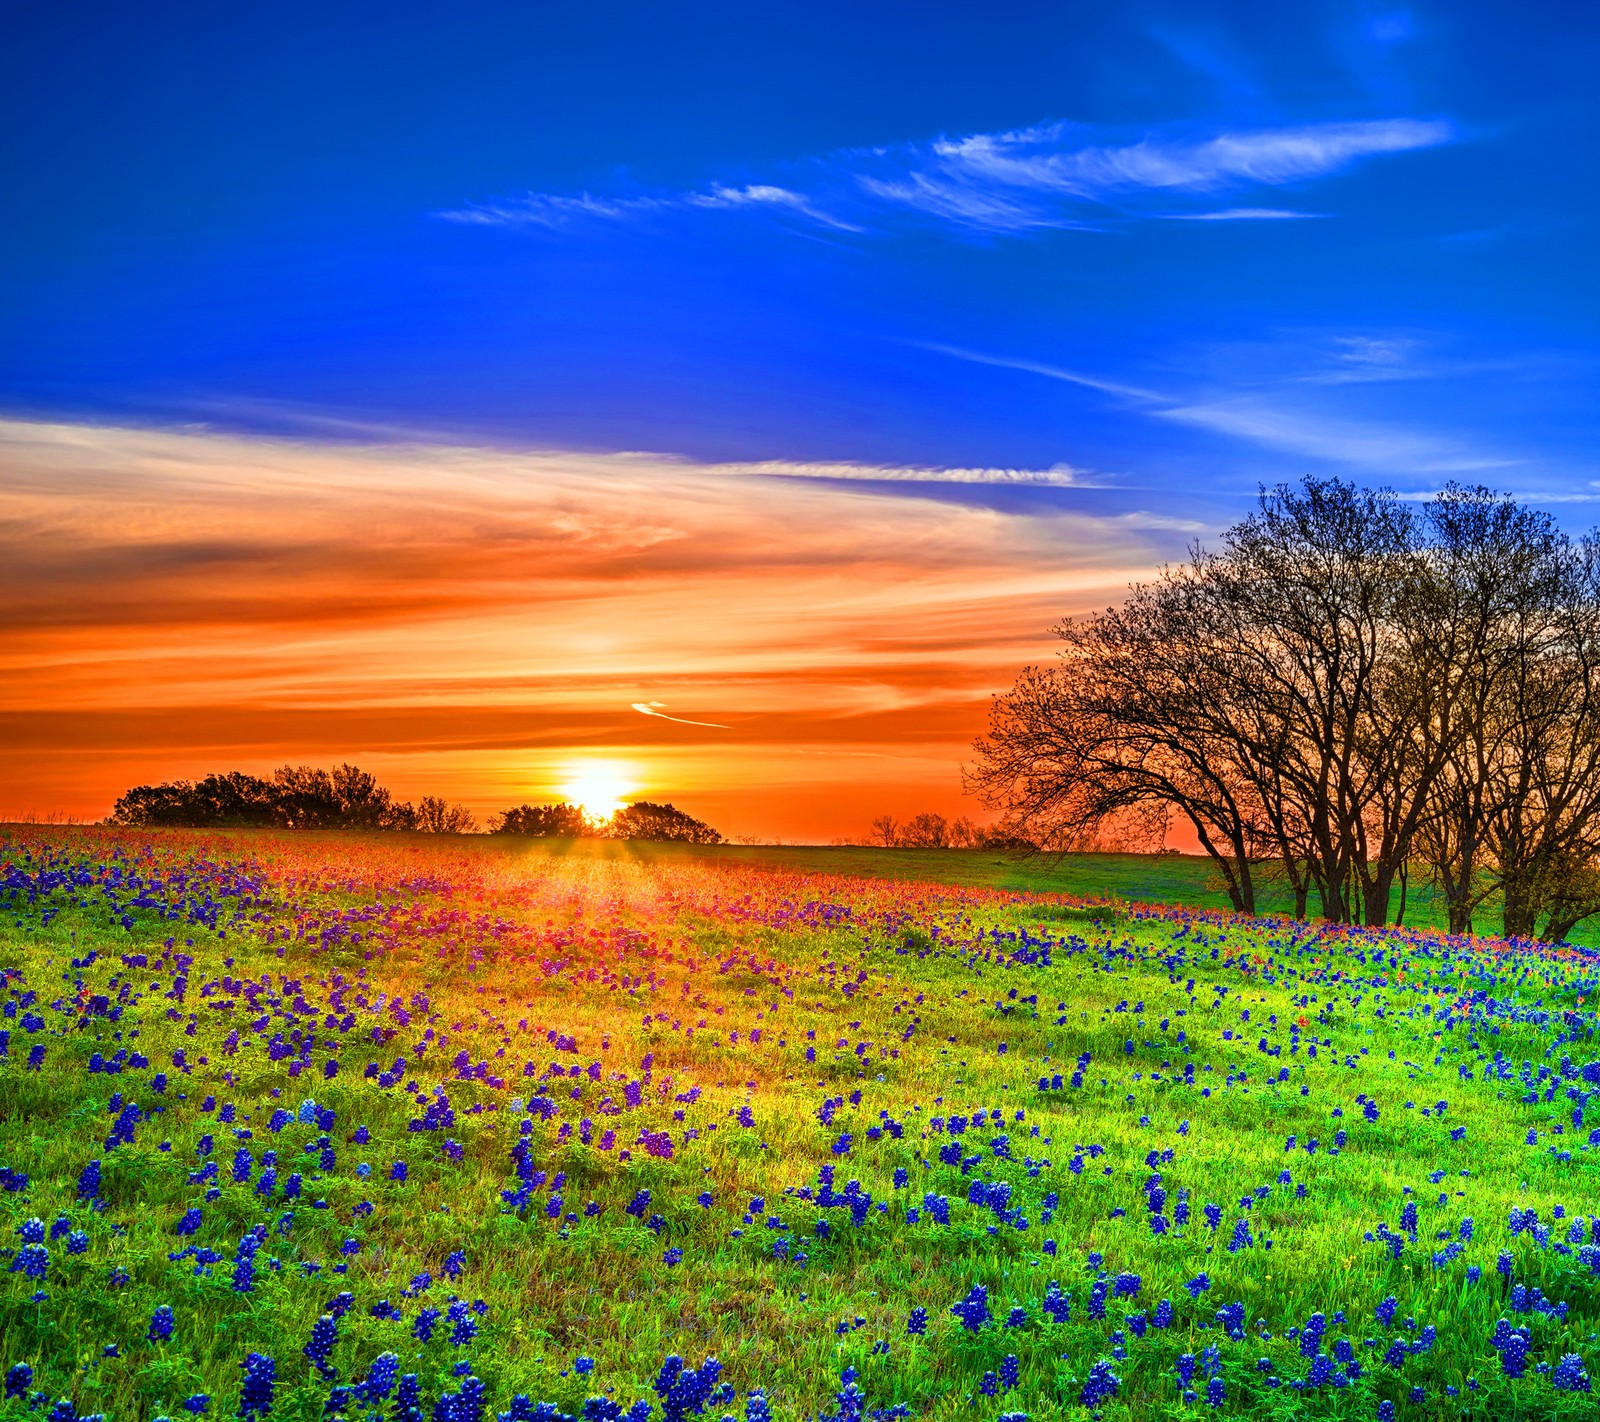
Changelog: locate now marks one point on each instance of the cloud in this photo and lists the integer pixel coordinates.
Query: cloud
(1050, 372)
(1058, 476)
(460, 617)
(1336, 438)
(656, 709)
(1286, 424)
(554, 210)
(1053, 175)
(1245, 214)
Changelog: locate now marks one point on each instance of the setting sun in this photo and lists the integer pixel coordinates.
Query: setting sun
(598, 788)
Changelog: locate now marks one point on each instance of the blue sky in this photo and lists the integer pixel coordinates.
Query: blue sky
(1151, 254)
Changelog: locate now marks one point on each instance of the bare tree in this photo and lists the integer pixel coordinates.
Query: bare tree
(885, 831)
(1345, 685)
(929, 830)
(961, 833)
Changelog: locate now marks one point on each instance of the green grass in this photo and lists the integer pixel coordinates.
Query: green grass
(632, 952)
(1188, 880)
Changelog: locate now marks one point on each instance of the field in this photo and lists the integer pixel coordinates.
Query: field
(413, 1129)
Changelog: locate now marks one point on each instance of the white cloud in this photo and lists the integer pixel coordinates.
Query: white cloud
(1283, 424)
(1052, 175)
(1335, 438)
(1244, 214)
(1058, 476)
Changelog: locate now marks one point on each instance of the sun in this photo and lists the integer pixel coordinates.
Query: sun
(598, 788)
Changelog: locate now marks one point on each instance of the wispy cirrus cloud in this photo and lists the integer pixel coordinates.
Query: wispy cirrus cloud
(555, 210)
(1278, 416)
(1048, 176)
(1057, 476)
(1245, 214)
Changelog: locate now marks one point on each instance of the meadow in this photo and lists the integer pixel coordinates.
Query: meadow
(431, 1128)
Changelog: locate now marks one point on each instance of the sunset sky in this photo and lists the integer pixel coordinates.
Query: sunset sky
(723, 401)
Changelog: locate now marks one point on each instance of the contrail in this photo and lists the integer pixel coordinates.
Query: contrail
(652, 708)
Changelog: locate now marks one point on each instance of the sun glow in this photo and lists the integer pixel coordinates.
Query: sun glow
(598, 788)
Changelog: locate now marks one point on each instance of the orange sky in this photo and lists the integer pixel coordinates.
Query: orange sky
(478, 623)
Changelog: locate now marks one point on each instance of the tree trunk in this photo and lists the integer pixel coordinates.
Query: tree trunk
(1517, 921)
(1375, 898)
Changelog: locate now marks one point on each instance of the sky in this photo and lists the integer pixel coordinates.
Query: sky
(723, 402)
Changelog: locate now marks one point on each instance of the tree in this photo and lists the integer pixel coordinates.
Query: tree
(644, 820)
(885, 831)
(1345, 685)
(232, 800)
(437, 816)
(961, 833)
(545, 821)
(296, 797)
(926, 831)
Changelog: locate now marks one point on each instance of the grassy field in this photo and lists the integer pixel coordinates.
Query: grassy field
(309, 1127)
(1187, 880)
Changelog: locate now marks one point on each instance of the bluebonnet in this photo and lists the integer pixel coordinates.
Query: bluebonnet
(1100, 1386)
(1056, 1305)
(32, 1261)
(684, 1391)
(1569, 1374)
(973, 1311)
(381, 1376)
(244, 1264)
(1096, 1307)
(260, 1382)
(160, 1329)
(324, 1336)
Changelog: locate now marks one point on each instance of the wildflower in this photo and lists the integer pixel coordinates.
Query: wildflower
(1569, 1375)
(1100, 1385)
(324, 1335)
(973, 1311)
(32, 1261)
(260, 1380)
(160, 1329)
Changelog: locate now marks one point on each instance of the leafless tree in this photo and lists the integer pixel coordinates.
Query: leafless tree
(885, 831)
(1345, 686)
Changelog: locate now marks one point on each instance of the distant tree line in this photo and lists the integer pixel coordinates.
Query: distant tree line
(1350, 690)
(930, 830)
(295, 797)
(303, 797)
(640, 820)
